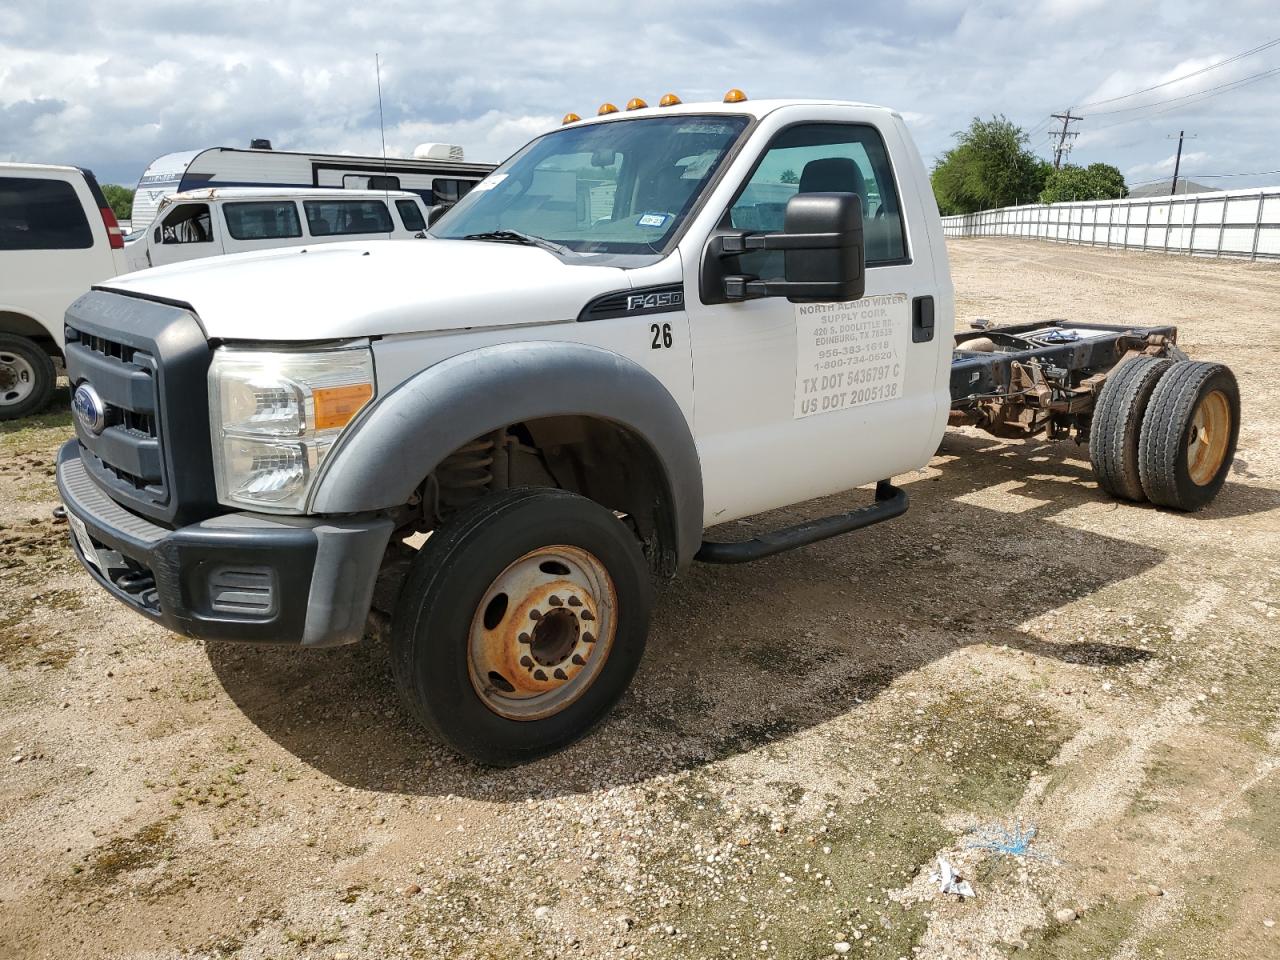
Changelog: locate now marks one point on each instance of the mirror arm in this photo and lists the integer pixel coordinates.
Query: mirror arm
(741, 243)
(749, 288)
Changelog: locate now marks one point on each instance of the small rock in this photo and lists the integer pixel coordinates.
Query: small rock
(542, 912)
(412, 890)
(1268, 923)
(342, 956)
(1154, 891)
(1065, 915)
(842, 947)
(857, 934)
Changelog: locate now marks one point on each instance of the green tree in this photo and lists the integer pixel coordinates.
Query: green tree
(789, 176)
(121, 200)
(1098, 181)
(990, 166)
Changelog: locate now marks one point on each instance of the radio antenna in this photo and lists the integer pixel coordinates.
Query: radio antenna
(382, 129)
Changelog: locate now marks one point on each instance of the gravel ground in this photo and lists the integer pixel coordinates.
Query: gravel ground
(806, 737)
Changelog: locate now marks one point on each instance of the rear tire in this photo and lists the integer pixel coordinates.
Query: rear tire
(520, 624)
(27, 377)
(1189, 435)
(1117, 422)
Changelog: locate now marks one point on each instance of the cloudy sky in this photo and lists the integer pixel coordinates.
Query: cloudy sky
(111, 86)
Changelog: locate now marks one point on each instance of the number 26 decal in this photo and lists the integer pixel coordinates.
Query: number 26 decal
(661, 335)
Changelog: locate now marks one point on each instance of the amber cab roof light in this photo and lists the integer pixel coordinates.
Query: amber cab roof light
(570, 118)
(669, 100)
(735, 96)
(635, 103)
(606, 108)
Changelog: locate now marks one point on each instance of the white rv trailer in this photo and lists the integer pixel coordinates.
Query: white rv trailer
(437, 172)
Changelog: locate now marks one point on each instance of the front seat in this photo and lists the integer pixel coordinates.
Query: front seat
(834, 175)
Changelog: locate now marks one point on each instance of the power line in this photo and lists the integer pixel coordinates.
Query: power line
(1200, 97)
(1187, 96)
(1187, 76)
(1210, 176)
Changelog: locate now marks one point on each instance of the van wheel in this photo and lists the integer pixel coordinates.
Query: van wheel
(520, 624)
(1189, 435)
(1117, 421)
(27, 377)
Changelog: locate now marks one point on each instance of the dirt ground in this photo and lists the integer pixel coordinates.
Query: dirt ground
(806, 737)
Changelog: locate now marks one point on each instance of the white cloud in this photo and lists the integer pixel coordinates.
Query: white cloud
(112, 86)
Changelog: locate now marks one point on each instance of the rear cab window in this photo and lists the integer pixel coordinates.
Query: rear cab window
(326, 218)
(42, 214)
(410, 215)
(262, 220)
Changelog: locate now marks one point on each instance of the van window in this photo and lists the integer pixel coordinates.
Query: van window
(37, 214)
(262, 219)
(451, 191)
(335, 217)
(411, 214)
(187, 223)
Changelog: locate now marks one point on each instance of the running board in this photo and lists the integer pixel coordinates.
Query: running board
(890, 502)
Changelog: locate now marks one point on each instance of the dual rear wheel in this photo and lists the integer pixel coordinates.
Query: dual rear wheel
(1165, 431)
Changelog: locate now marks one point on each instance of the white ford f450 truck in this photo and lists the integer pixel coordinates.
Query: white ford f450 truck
(640, 326)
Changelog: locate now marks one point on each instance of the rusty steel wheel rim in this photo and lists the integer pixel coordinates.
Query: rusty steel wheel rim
(542, 632)
(1210, 434)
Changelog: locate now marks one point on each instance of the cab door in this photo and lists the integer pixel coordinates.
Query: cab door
(796, 401)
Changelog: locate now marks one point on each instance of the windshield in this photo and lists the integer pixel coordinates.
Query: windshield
(622, 187)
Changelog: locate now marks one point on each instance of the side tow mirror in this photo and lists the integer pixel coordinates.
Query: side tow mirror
(436, 212)
(822, 248)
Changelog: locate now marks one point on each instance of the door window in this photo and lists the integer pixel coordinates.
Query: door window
(822, 158)
(39, 214)
(187, 223)
(336, 217)
(262, 220)
(411, 215)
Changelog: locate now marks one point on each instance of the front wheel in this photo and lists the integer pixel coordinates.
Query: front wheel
(27, 377)
(520, 624)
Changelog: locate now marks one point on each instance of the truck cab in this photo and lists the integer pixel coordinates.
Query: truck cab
(642, 325)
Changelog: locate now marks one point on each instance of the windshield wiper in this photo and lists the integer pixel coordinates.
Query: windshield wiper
(515, 236)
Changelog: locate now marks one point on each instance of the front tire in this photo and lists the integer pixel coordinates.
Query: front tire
(27, 377)
(520, 624)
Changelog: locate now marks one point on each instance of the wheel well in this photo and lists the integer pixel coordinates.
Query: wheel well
(24, 326)
(597, 458)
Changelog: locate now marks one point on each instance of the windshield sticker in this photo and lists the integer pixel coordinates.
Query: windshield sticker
(652, 219)
(489, 182)
(849, 354)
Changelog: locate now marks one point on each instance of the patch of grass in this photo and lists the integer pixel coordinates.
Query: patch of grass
(121, 855)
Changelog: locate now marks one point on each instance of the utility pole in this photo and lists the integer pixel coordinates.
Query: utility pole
(1177, 162)
(1064, 135)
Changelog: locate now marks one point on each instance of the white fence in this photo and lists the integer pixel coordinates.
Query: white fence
(1236, 223)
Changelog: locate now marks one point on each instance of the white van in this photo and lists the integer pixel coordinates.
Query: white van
(207, 223)
(58, 237)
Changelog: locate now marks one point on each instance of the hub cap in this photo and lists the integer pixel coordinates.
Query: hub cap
(1210, 433)
(17, 378)
(542, 632)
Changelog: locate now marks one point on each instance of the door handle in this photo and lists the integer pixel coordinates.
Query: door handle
(922, 319)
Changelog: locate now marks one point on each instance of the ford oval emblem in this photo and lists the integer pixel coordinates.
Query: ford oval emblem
(89, 409)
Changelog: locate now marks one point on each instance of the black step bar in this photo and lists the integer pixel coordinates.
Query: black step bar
(890, 502)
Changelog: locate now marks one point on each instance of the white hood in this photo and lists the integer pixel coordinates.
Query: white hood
(372, 288)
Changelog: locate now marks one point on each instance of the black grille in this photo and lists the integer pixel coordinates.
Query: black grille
(147, 362)
(129, 451)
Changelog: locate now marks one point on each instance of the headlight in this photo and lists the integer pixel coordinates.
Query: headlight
(275, 415)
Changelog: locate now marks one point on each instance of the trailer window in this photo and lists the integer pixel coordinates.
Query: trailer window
(337, 217)
(187, 223)
(37, 214)
(411, 215)
(354, 181)
(816, 158)
(262, 220)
